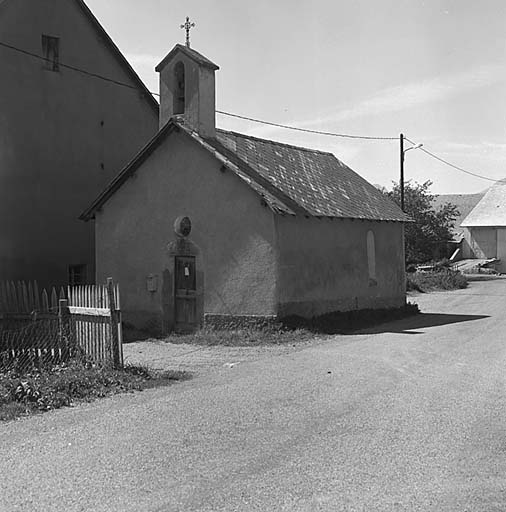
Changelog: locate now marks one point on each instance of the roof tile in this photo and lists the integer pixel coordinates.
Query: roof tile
(317, 181)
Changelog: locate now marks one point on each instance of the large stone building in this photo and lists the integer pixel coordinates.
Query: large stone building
(64, 134)
(277, 229)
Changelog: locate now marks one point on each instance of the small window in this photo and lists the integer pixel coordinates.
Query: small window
(371, 258)
(51, 52)
(179, 88)
(77, 275)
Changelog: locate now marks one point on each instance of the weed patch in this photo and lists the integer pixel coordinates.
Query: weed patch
(295, 329)
(444, 279)
(245, 337)
(37, 391)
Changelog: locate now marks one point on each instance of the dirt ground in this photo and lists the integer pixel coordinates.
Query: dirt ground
(408, 416)
(160, 355)
(197, 359)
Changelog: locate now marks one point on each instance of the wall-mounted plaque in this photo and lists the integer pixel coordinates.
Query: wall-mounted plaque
(183, 226)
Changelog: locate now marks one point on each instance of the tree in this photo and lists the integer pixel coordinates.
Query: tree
(430, 227)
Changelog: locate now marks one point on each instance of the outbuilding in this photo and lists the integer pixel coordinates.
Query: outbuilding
(485, 227)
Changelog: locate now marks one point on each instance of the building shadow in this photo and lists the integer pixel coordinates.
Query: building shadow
(414, 324)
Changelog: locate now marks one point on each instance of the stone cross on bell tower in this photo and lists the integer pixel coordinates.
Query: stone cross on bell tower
(187, 25)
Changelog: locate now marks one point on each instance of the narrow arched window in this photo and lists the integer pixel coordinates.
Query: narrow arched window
(371, 256)
(179, 88)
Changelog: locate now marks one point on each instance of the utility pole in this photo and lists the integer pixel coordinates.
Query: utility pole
(401, 140)
(402, 153)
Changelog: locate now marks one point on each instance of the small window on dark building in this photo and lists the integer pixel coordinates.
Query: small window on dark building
(179, 88)
(77, 275)
(51, 52)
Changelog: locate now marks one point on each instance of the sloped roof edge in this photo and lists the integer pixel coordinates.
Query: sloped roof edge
(276, 200)
(275, 204)
(189, 52)
(127, 171)
(274, 196)
(490, 210)
(117, 52)
(317, 182)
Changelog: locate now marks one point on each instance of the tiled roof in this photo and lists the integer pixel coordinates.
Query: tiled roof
(491, 210)
(290, 179)
(316, 181)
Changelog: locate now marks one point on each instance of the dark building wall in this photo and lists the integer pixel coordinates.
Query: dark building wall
(63, 137)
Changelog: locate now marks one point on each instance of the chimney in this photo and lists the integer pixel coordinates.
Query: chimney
(187, 90)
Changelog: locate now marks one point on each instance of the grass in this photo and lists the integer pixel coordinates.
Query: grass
(23, 394)
(443, 279)
(247, 337)
(294, 329)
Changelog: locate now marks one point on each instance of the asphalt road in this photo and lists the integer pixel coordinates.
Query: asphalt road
(409, 416)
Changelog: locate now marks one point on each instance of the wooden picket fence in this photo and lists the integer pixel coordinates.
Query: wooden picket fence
(39, 326)
(96, 321)
(20, 298)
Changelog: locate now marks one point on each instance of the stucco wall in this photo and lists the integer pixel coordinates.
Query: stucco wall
(233, 231)
(501, 249)
(63, 136)
(486, 242)
(199, 95)
(324, 267)
(482, 242)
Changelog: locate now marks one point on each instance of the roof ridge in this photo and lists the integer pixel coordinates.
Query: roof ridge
(277, 143)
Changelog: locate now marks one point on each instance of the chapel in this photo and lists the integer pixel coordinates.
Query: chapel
(208, 225)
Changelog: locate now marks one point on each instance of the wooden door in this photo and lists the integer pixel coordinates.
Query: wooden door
(185, 287)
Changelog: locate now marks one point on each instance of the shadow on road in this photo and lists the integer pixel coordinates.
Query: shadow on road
(412, 324)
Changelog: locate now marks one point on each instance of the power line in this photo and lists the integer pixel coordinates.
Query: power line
(122, 84)
(442, 160)
(73, 68)
(254, 120)
(287, 127)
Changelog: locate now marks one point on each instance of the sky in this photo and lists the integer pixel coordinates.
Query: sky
(434, 70)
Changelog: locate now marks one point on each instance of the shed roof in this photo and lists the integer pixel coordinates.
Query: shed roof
(291, 179)
(491, 210)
